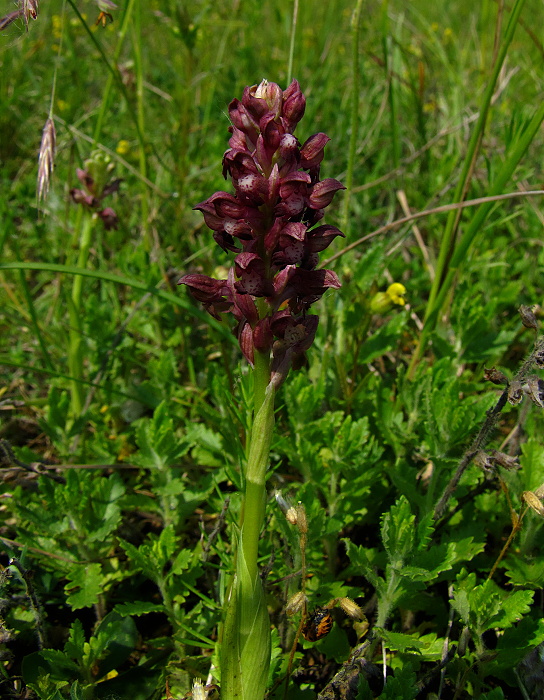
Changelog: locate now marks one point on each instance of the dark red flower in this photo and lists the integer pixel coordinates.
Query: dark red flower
(277, 201)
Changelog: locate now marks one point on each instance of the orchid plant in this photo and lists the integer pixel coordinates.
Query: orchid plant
(270, 223)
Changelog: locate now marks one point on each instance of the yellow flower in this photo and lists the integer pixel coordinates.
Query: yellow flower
(123, 147)
(382, 302)
(56, 21)
(396, 292)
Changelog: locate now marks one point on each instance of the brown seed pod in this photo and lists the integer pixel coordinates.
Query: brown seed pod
(503, 460)
(534, 502)
(534, 388)
(539, 358)
(527, 317)
(515, 392)
(495, 376)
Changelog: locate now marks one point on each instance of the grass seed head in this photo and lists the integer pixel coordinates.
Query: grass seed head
(533, 502)
(46, 159)
(351, 608)
(297, 603)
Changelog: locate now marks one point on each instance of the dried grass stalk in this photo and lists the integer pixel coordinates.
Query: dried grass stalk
(9, 18)
(47, 158)
(29, 9)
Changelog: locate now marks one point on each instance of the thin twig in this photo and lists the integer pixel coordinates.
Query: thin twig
(421, 214)
(34, 467)
(483, 435)
(26, 579)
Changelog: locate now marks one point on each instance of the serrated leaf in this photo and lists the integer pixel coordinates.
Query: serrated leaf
(401, 686)
(398, 531)
(516, 642)
(85, 585)
(75, 692)
(204, 437)
(74, 647)
(138, 608)
(464, 550)
(359, 557)
(154, 554)
(157, 440)
(63, 666)
(139, 559)
(428, 646)
(113, 642)
(395, 641)
(513, 608)
(486, 606)
(525, 573)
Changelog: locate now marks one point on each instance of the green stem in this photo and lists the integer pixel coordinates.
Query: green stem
(292, 42)
(447, 244)
(104, 102)
(385, 603)
(75, 352)
(246, 643)
(354, 121)
(474, 226)
(257, 464)
(449, 254)
(138, 67)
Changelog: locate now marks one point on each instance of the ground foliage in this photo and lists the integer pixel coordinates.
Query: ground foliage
(116, 519)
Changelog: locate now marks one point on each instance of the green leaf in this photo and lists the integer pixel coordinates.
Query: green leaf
(401, 686)
(154, 554)
(486, 606)
(74, 647)
(182, 561)
(362, 560)
(395, 641)
(514, 645)
(159, 446)
(525, 573)
(138, 608)
(76, 692)
(113, 642)
(384, 340)
(48, 665)
(398, 531)
(532, 464)
(428, 646)
(85, 585)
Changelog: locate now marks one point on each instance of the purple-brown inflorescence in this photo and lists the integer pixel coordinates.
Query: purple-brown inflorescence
(95, 187)
(270, 223)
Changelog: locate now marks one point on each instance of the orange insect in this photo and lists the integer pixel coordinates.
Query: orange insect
(318, 625)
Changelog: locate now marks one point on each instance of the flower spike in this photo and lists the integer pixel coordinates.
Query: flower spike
(269, 222)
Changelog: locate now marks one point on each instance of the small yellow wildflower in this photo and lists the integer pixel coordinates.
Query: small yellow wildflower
(123, 147)
(382, 302)
(56, 21)
(396, 292)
